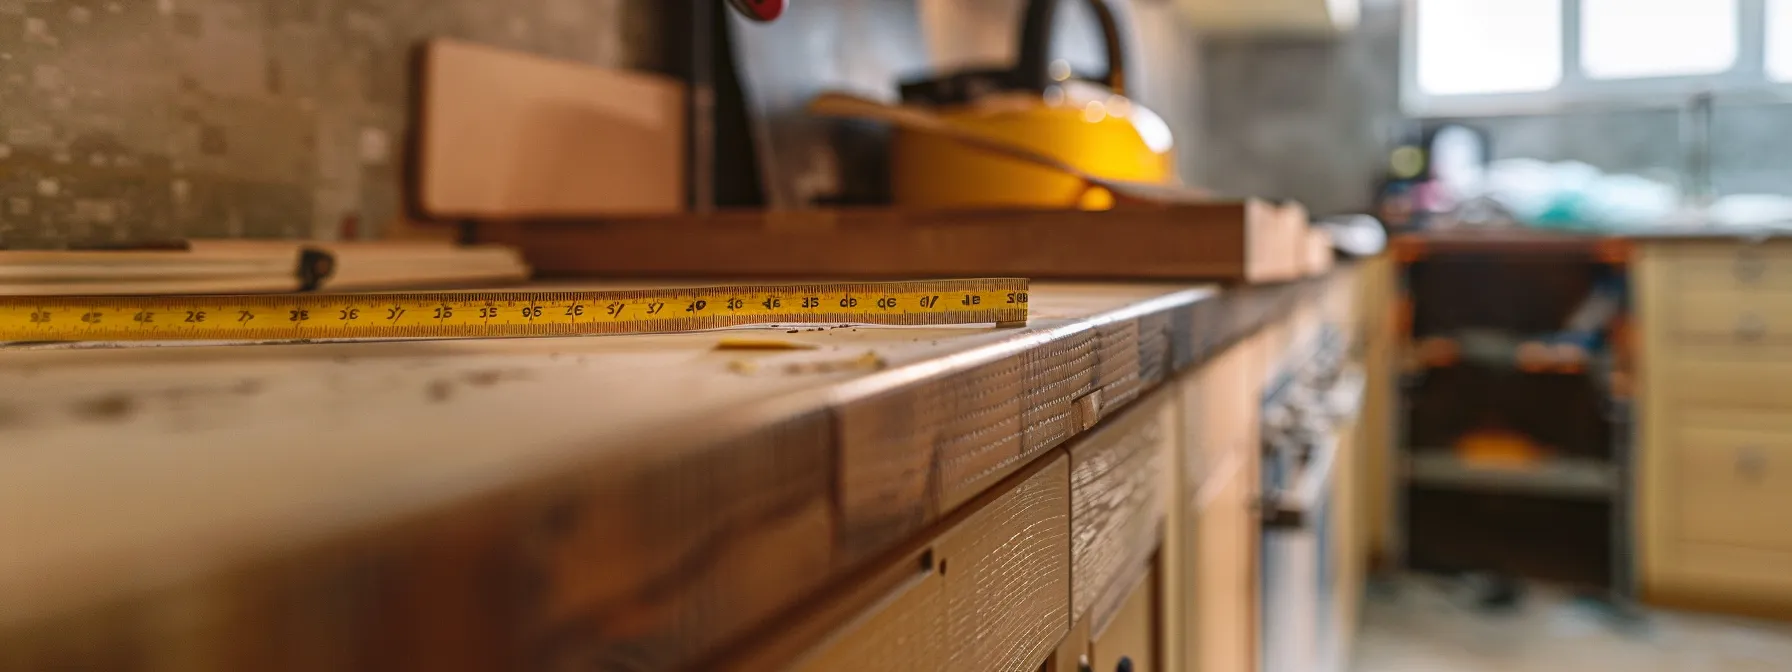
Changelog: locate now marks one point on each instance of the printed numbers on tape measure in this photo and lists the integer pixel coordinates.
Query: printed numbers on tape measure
(501, 314)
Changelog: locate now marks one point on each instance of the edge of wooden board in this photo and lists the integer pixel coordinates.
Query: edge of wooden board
(605, 566)
(1208, 242)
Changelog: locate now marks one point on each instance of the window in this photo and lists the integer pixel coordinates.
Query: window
(1779, 40)
(1467, 57)
(1483, 47)
(1623, 39)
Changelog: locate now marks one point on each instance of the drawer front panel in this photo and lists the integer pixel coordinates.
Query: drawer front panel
(995, 596)
(1734, 485)
(1736, 319)
(1720, 379)
(1730, 267)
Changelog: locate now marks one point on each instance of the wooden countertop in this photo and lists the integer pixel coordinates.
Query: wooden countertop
(647, 497)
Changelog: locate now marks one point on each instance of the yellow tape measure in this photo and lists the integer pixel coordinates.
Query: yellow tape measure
(492, 314)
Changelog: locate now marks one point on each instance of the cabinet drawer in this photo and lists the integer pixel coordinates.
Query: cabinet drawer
(1729, 266)
(1734, 485)
(1119, 493)
(1713, 378)
(994, 594)
(1732, 318)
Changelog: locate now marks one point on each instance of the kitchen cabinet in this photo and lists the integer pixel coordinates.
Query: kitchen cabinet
(1084, 489)
(1715, 474)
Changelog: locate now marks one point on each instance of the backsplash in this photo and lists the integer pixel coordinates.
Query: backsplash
(143, 119)
(1312, 119)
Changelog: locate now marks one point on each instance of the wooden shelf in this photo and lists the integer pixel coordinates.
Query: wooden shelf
(1560, 477)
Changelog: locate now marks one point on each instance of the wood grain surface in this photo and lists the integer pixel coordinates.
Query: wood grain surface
(637, 502)
(993, 593)
(1120, 487)
(510, 134)
(1007, 572)
(1234, 241)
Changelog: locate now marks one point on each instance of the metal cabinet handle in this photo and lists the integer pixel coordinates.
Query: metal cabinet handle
(1751, 463)
(1751, 265)
(1750, 328)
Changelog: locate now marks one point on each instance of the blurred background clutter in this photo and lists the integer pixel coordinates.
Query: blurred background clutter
(1367, 335)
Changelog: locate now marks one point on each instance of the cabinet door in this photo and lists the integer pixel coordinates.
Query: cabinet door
(1222, 612)
(1127, 643)
(1735, 486)
(991, 594)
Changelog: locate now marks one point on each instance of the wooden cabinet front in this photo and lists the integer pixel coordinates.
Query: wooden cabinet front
(993, 593)
(1714, 469)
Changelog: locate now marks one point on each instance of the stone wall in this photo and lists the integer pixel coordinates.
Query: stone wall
(141, 119)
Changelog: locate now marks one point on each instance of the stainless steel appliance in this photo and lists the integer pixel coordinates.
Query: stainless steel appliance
(1302, 415)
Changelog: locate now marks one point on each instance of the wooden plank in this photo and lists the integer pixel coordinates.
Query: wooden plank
(426, 537)
(508, 134)
(255, 266)
(907, 456)
(995, 596)
(1317, 256)
(1242, 241)
(1120, 487)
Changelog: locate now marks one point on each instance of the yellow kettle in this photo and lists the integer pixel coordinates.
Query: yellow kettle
(1038, 108)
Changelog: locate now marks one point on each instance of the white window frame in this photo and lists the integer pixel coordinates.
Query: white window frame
(1747, 78)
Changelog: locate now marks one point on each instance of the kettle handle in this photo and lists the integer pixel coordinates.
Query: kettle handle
(1033, 71)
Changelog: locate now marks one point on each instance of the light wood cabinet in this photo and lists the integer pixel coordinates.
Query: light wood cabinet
(1222, 609)
(992, 593)
(1735, 478)
(1714, 468)
(1127, 642)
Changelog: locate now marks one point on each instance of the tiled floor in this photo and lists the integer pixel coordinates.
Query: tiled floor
(1428, 625)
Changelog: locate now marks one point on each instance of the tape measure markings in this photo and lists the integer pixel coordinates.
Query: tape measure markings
(503, 314)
